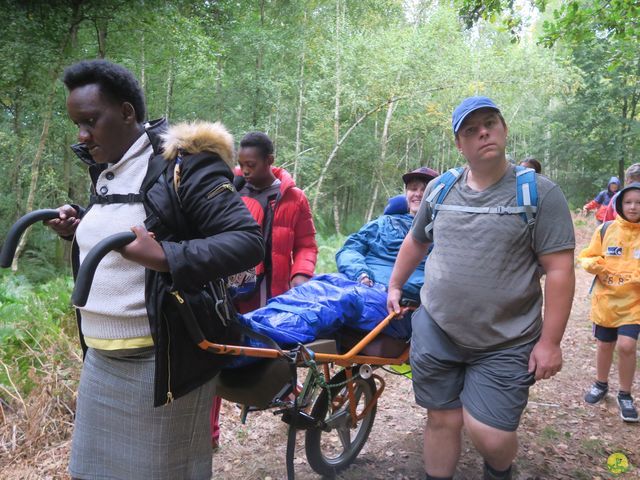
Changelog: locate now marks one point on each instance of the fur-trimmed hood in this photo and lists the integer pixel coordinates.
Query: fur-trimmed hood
(197, 137)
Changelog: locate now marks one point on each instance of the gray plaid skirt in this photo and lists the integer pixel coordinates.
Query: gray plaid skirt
(118, 434)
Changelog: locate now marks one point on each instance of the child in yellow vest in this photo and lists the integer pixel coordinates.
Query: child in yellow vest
(615, 305)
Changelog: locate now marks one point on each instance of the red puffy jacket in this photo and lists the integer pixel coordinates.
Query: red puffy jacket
(294, 250)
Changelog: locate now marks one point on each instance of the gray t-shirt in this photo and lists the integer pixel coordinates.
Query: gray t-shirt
(482, 284)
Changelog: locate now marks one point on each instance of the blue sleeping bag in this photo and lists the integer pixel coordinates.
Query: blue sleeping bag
(318, 309)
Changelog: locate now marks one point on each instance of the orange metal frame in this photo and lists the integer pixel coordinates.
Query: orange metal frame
(346, 360)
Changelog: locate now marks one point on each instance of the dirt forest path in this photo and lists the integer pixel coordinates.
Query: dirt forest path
(561, 437)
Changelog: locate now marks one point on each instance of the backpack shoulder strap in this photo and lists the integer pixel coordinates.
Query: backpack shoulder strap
(444, 184)
(603, 230)
(441, 189)
(157, 165)
(527, 194)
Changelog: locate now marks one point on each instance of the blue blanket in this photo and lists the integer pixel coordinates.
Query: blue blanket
(318, 309)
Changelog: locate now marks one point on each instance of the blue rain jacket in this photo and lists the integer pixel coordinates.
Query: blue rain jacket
(373, 250)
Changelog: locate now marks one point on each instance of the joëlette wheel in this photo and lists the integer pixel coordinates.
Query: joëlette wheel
(329, 452)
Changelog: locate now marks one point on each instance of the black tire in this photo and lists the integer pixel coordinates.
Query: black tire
(330, 452)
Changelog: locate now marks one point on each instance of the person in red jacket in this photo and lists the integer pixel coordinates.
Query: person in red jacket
(599, 204)
(283, 211)
(631, 175)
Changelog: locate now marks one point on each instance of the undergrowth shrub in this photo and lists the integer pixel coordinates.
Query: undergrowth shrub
(32, 318)
(328, 245)
(39, 364)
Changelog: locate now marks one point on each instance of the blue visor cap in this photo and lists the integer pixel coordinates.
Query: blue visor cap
(468, 106)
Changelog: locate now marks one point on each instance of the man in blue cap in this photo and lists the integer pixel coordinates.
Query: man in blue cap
(478, 340)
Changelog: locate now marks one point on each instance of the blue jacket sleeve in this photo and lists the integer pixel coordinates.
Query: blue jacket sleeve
(601, 198)
(351, 258)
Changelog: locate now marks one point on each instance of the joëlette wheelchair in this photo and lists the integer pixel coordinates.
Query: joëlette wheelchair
(336, 405)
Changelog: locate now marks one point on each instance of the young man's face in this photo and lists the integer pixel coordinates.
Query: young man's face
(631, 206)
(414, 193)
(614, 187)
(482, 138)
(256, 169)
(103, 126)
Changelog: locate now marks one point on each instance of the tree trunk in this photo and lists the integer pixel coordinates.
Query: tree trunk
(170, 80)
(374, 197)
(219, 100)
(334, 152)
(336, 213)
(35, 171)
(63, 248)
(336, 109)
(443, 158)
(301, 84)
(14, 172)
(143, 70)
(101, 33)
(276, 126)
(406, 156)
(363, 117)
(384, 142)
(347, 202)
(629, 106)
(298, 146)
(259, 59)
(46, 122)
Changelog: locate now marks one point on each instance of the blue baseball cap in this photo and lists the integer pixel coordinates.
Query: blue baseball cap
(468, 106)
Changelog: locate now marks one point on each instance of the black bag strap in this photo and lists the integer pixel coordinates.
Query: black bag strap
(116, 198)
(198, 336)
(157, 165)
(267, 231)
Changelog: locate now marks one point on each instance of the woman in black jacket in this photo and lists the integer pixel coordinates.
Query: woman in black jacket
(173, 189)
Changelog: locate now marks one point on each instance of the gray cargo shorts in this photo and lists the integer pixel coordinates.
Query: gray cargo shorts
(492, 386)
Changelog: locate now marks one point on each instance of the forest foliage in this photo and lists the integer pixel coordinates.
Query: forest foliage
(354, 93)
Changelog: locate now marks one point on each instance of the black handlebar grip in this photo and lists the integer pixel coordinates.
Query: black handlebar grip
(90, 263)
(18, 228)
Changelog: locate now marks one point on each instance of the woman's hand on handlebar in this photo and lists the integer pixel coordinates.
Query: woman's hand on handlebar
(145, 250)
(393, 299)
(66, 223)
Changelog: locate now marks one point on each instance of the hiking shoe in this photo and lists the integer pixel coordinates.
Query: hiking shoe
(490, 473)
(595, 394)
(628, 412)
